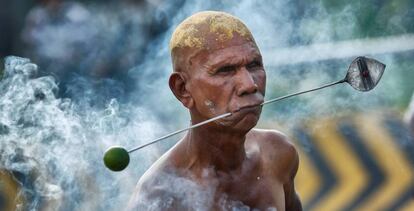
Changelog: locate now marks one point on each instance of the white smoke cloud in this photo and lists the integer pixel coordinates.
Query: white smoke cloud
(57, 143)
(58, 148)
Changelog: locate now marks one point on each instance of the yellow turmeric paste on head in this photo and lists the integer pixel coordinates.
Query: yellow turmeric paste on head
(192, 31)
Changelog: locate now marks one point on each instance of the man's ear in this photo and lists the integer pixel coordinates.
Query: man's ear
(177, 84)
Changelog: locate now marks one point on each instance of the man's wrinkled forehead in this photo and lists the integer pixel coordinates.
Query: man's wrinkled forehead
(230, 55)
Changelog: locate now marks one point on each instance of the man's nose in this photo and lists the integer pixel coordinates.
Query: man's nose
(246, 83)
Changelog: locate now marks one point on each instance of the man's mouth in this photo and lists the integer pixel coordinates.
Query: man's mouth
(241, 112)
(247, 107)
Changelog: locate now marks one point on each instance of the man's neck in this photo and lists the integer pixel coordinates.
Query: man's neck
(210, 147)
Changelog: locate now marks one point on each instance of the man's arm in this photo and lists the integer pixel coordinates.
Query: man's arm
(292, 201)
(285, 159)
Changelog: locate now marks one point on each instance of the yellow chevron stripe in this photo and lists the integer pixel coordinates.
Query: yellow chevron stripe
(398, 172)
(340, 157)
(307, 181)
(10, 189)
(409, 206)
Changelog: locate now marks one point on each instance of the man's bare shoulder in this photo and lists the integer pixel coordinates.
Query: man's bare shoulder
(272, 140)
(276, 151)
(151, 184)
(151, 177)
(163, 187)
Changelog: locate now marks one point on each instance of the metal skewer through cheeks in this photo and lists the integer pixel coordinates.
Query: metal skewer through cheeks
(363, 75)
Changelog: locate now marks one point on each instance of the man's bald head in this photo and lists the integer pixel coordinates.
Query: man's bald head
(205, 31)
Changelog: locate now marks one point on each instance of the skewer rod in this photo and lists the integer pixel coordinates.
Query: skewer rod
(229, 114)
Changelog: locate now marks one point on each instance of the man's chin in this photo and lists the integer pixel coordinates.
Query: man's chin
(241, 121)
(248, 122)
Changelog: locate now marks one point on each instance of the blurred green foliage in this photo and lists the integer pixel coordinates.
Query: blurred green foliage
(373, 18)
(329, 21)
(403, 72)
(380, 18)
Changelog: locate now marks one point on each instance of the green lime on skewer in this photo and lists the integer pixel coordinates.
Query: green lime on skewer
(116, 158)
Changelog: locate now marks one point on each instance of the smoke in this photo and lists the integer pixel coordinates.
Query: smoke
(103, 80)
(171, 188)
(57, 145)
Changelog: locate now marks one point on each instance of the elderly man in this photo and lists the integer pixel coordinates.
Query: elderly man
(226, 164)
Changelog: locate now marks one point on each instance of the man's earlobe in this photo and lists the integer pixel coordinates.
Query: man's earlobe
(177, 84)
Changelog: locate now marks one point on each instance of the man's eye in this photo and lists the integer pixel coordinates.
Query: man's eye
(254, 65)
(226, 69)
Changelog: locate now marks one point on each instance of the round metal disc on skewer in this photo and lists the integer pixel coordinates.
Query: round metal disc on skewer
(364, 73)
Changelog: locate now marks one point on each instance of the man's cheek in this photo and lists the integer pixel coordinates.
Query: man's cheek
(211, 106)
(262, 86)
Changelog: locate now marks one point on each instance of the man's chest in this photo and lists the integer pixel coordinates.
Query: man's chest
(258, 192)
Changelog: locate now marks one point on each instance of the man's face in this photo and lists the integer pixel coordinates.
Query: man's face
(226, 79)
